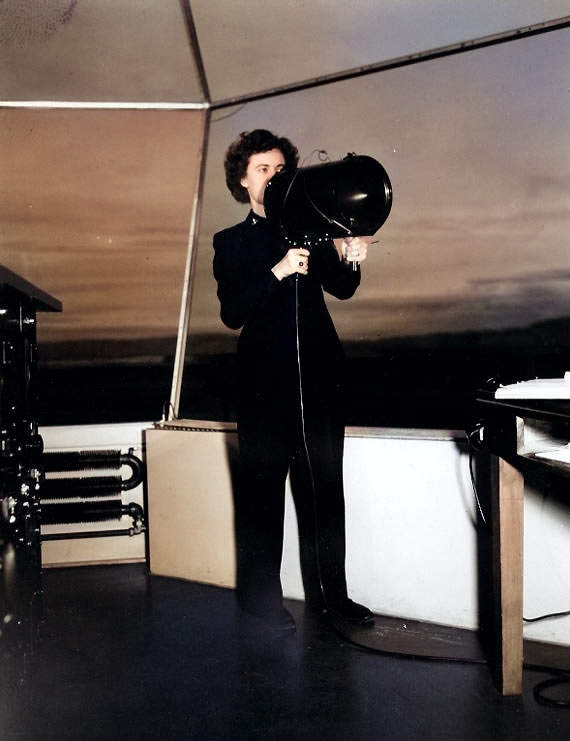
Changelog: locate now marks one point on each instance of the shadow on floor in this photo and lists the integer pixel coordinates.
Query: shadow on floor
(119, 654)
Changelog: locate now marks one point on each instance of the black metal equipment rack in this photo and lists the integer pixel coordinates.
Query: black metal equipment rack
(21, 473)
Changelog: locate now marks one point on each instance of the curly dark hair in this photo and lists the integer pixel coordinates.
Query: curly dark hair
(254, 142)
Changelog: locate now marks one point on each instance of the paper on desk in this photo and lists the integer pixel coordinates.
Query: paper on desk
(562, 455)
(538, 388)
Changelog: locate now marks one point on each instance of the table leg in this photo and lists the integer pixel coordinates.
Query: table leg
(507, 524)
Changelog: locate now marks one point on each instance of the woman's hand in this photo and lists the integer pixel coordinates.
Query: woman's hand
(295, 261)
(354, 249)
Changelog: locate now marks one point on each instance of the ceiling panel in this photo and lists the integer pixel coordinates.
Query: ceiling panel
(140, 51)
(96, 51)
(253, 45)
(476, 147)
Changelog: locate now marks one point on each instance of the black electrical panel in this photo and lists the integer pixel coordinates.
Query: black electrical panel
(20, 460)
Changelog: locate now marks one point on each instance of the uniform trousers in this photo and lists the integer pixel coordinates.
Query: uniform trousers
(310, 449)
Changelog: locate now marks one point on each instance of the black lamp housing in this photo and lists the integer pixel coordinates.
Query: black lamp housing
(350, 197)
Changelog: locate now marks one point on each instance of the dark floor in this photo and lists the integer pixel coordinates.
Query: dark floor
(121, 655)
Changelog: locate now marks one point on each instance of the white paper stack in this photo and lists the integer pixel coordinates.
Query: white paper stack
(538, 388)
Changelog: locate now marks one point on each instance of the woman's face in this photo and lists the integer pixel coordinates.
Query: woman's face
(261, 167)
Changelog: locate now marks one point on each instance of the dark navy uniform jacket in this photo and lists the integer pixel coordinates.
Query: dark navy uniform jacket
(284, 324)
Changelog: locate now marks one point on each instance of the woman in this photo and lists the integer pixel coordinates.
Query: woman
(289, 406)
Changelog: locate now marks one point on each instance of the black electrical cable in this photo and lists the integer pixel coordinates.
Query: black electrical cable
(400, 654)
(548, 616)
(538, 691)
(476, 443)
(332, 622)
(541, 687)
(305, 445)
(562, 677)
(474, 487)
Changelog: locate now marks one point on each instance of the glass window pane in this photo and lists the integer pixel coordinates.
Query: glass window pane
(95, 208)
(469, 277)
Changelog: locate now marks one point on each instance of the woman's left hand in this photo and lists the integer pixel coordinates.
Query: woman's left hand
(354, 249)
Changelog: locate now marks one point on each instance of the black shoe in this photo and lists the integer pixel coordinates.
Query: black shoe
(351, 611)
(276, 622)
(283, 621)
(315, 603)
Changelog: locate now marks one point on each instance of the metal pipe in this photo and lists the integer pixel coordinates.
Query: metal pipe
(89, 460)
(406, 61)
(189, 274)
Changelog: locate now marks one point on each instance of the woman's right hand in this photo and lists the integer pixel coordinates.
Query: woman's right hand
(295, 261)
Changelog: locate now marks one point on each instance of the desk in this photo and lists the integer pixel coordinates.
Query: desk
(517, 434)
